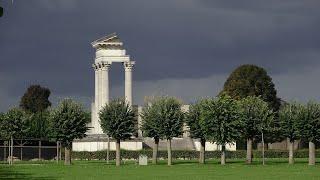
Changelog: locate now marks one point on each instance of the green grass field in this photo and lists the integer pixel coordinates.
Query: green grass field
(235, 169)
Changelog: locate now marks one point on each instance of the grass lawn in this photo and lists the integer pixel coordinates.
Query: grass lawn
(235, 169)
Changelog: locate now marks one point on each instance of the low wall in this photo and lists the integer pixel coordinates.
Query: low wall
(100, 146)
(214, 147)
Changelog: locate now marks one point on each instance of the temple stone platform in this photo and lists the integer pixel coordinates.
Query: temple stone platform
(99, 142)
(186, 143)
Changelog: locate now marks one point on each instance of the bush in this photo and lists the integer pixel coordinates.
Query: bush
(188, 155)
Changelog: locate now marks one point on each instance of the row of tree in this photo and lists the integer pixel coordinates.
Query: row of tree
(64, 123)
(220, 120)
(33, 120)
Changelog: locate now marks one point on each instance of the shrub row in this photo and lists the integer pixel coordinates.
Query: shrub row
(101, 155)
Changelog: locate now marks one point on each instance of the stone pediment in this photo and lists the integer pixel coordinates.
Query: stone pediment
(110, 41)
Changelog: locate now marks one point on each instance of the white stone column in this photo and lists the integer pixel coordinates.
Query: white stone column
(102, 94)
(99, 94)
(96, 84)
(96, 98)
(128, 67)
(105, 84)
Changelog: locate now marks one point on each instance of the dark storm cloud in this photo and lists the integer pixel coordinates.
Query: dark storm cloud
(48, 42)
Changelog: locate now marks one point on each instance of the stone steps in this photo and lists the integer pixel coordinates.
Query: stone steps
(176, 144)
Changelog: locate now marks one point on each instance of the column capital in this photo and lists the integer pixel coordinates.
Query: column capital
(101, 66)
(105, 66)
(95, 67)
(128, 66)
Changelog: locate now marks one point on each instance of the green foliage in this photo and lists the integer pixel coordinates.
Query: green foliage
(172, 117)
(289, 117)
(309, 123)
(257, 116)
(35, 99)
(221, 120)
(68, 122)
(118, 120)
(38, 124)
(14, 123)
(151, 123)
(35, 102)
(251, 80)
(169, 116)
(193, 121)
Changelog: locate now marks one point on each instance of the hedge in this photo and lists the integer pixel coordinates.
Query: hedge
(125, 154)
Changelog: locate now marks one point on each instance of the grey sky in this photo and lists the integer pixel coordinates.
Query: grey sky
(183, 48)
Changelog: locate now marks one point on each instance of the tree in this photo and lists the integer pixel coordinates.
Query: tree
(35, 102)
(39, 124)
(289, 117)
(251, 80)
(2, 119)
(221, 121)
(255, 114)
(68, 122)
(193, 121)
(309, 126)
(35, 99)
(14, 124)
(171, 120)
(267, 126)
(118, 121)
(151, 124)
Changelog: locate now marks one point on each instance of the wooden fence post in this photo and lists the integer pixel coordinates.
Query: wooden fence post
(9, 151)
(57, 157)
(11, 157)
(4, 150)
(21, 150)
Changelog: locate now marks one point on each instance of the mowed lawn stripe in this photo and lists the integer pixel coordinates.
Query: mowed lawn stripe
(234, 169)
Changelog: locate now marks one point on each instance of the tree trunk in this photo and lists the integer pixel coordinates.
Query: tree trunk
(57, 157)
(263, 162)
(312, 157)
(223, 154)
(60, 151)
(118, 152)
(291, 146)
(67, 156)
(21, 149)
(39, 151)
(169, 152)
(155, 151)
(108, 150)
(249, 151)
(9, 152)
(202, 151)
